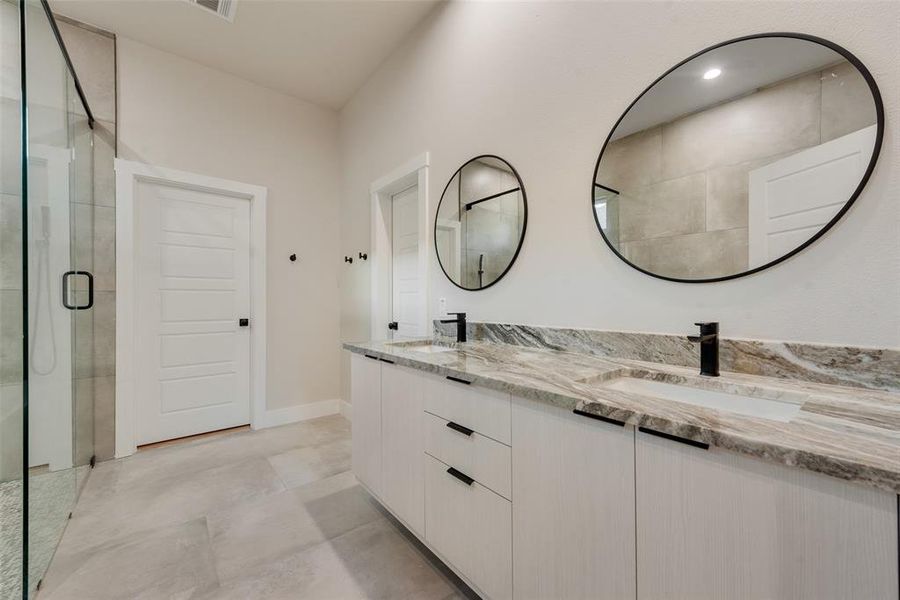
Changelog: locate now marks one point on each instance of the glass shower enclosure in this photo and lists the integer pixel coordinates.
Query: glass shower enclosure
(46, 292)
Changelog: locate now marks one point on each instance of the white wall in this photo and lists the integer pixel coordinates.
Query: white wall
(541, 84)
(177, 113)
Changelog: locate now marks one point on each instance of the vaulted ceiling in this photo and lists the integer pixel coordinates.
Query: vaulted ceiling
(321, 51)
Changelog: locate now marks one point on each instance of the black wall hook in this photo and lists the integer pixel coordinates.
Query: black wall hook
(348, 259)
(364, 256)
(292, 257)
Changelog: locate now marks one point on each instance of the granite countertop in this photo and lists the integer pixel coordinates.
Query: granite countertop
(846, 432)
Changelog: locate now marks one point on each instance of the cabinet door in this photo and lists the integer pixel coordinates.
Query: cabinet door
(573, 514)
(403, 480)
(469, 526)
(713, 524)
(365, 393)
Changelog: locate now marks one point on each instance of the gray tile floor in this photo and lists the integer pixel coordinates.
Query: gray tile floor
(258, 514)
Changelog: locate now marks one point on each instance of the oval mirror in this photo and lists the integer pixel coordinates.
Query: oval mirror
(738, 157)
(480, 222)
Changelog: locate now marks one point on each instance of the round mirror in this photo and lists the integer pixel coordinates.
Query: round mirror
(738, 157)
(480, 222)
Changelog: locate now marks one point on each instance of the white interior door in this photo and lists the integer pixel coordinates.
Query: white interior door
(192, 357)
(406, 284)
(792, 198)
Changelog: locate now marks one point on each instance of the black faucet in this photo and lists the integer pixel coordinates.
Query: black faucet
(460, 321)
(709, 348)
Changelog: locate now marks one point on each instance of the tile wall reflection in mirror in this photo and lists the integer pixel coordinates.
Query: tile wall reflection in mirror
(736, 158)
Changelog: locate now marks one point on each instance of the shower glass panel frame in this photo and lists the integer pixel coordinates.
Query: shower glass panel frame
(46, 321)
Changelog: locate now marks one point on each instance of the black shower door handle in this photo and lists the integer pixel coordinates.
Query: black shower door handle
(65, 290)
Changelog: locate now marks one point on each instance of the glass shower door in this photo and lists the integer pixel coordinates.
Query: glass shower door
(59, 290)
(12, 409)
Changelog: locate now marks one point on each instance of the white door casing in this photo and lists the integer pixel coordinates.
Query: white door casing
(191, 254)
(792, 198)
(381, 255)
(406, 284)
(193, 284)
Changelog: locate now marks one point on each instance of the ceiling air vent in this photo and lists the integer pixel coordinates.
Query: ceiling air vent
(223, 8)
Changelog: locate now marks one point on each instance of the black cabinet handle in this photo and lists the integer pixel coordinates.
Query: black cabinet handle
(461, 476)
(458, 380)
(65, 290)
(372, 357)
(598, 417)
(390, 362)
(460, 428)
(675, 438)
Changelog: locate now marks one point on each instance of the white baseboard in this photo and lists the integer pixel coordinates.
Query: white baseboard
(347, 410)
(301, 412)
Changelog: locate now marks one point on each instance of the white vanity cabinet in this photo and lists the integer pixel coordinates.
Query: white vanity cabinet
(402, 432)
(468, 510)
(530, 501)
(573, 516)
(365, 393)
(712, 524)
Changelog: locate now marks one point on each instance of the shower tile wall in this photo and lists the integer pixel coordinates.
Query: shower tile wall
(93, 54)
(490, 228)
(11, 413)
(685, 198)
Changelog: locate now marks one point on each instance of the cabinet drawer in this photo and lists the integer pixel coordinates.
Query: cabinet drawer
(485, 411)
(486, 461)
(471, 527)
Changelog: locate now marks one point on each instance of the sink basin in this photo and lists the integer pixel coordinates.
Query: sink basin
(426, 347)
(782, 410)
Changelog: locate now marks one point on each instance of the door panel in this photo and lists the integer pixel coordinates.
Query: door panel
(406, 286)
(193, 285)
(792, 198)
(365, 392)
(712, 524)
(403, 479)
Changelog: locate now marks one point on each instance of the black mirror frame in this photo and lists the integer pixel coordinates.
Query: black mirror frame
(879, 136)
(521, 235)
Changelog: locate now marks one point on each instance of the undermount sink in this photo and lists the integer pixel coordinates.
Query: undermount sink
(423, 346)
(783, 409)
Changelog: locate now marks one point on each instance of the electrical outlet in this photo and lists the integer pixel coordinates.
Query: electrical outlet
(442, 306)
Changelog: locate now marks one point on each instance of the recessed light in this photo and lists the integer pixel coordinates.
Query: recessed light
(712, 73)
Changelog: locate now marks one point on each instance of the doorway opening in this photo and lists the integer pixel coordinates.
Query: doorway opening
(401, 247)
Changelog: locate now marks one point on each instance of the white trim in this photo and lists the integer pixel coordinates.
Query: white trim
(347, 410)
(412, 172)
(301, 412)
(128, 173)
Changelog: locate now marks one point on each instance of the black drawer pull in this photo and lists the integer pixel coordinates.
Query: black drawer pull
(598, 417)
(390, 362)
(675, 438)
(461, 476)
(458, 380)
(460, 428)
(372, 357)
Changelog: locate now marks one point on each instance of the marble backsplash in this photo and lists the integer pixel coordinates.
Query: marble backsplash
(870, 368)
